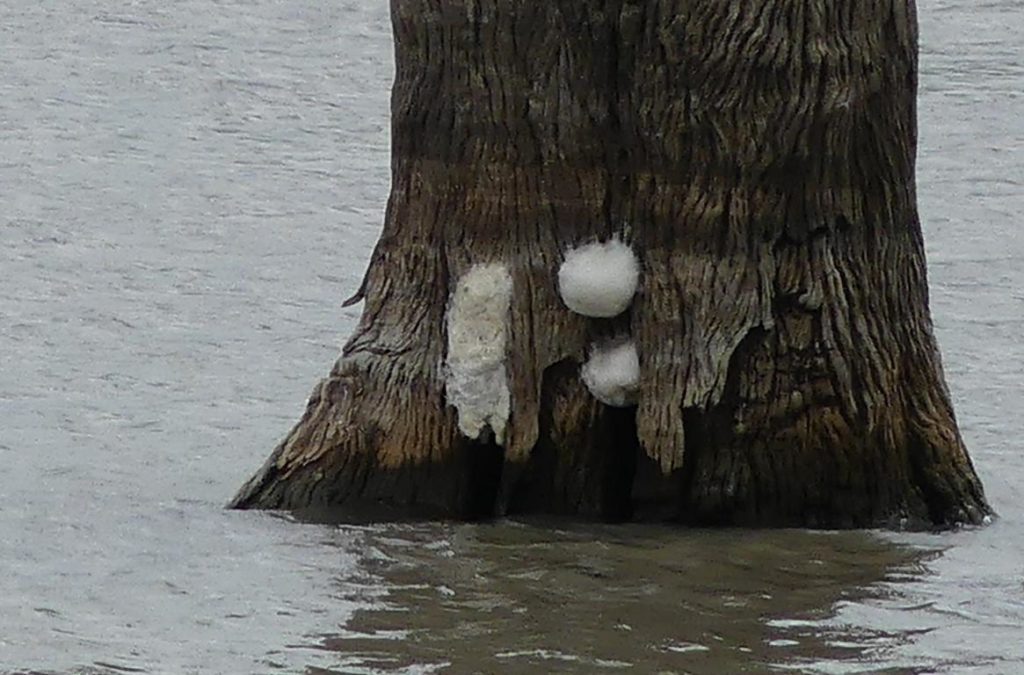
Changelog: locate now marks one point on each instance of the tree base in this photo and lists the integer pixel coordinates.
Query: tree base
(588, 463)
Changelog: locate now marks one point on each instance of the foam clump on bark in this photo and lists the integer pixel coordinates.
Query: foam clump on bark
(612, 373)
(476, 378)
(599, 279)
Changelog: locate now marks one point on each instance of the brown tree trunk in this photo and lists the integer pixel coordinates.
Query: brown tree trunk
(759, 160)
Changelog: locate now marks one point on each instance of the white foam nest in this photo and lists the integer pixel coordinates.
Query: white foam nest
(477, 382)
(612, 373)
(599, 279)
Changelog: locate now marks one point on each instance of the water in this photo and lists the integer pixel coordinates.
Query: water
(187, 193)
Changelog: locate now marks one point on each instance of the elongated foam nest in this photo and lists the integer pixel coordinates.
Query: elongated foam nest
(599, 279)
(476, 379)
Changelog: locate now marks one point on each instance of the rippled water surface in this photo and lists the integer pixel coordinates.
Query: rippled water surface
(189, 190)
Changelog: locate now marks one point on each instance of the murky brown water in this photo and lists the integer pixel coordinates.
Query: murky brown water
(550, 597)
(187, 193)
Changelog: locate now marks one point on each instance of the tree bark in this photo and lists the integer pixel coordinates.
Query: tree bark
(759, 160)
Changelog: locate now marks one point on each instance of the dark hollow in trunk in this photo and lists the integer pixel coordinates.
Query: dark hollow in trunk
(759, 160)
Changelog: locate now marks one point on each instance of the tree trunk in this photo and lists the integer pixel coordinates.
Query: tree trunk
(758, 158)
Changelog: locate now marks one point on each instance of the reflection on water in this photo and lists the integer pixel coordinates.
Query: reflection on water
(557, 597)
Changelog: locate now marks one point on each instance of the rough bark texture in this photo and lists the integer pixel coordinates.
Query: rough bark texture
(759, 157)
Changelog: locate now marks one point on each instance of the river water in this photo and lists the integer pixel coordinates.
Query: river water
(189, 190)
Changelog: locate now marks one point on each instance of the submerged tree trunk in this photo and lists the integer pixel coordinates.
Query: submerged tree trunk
(758, 158)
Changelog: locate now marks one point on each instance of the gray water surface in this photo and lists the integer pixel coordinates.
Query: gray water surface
(187, 193)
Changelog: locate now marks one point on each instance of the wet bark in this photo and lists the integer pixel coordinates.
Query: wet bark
(759, 158)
